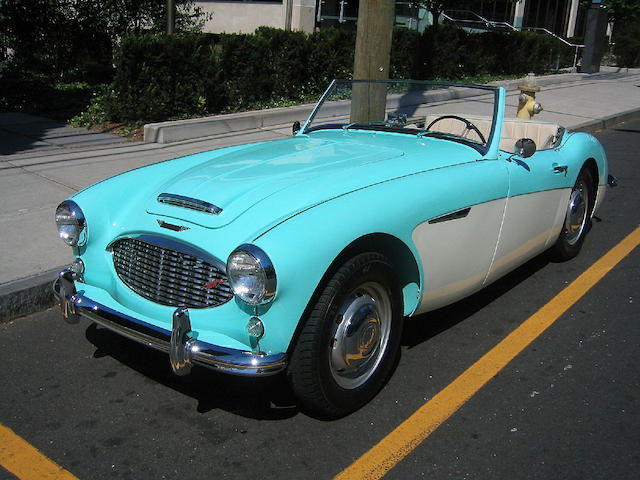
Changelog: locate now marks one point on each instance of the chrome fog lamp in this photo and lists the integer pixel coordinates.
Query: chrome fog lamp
(77, 267)
(72, 226)
(251, 274)
(255, 328)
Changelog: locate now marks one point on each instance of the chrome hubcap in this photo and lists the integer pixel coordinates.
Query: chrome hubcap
(360, 335)
(576, 218)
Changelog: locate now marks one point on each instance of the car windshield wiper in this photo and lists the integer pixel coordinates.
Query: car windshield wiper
(362, 125)
(446, 135)
(427, 133)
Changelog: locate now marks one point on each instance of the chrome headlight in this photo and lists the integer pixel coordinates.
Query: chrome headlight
(251, 274)
(72, 226)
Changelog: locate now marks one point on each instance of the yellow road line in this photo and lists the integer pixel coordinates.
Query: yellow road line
(26, 462)
(375, 463)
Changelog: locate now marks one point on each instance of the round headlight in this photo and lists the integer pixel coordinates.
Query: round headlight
(72, 226)
(251, 274)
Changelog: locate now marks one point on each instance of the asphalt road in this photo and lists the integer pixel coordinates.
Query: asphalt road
(567, 407)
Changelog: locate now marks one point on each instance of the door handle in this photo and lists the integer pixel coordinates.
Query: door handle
(561, 169)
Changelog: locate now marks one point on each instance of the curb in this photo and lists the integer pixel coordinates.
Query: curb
(181, 130)
(28, 295)
(592, 126)
(33, 294)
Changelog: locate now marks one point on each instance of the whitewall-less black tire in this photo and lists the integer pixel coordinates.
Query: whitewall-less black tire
(578, 218)
(350, 340)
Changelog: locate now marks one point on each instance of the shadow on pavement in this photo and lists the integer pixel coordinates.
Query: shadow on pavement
(270, 398)
(421, 328)
(265, 398)
(21, 132)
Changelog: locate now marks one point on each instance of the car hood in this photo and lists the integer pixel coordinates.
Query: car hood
(295, 174)
(236, 181)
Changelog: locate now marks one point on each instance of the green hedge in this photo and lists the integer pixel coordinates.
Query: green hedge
(627, 42)
(266, 66)
(162, 77)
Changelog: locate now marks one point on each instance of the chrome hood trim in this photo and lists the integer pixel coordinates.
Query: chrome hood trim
(189, 202)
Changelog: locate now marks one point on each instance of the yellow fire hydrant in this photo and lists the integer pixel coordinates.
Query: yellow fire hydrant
(527, 105)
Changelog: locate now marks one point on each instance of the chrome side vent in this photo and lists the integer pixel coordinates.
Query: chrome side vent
(451, 216)
(188, 202)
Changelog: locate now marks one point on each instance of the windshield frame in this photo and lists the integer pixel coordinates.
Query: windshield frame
(428, 87)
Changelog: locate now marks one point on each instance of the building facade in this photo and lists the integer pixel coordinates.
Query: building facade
(564, 18)
(244, 16)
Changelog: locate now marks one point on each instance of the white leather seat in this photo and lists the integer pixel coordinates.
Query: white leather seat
(513, 129)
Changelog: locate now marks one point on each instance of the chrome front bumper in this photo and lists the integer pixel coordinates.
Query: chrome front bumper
(183, 350)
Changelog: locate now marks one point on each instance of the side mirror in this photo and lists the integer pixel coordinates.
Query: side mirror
(525, 147)
(296, 127)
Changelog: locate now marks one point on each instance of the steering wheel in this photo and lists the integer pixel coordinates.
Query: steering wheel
(469, 126)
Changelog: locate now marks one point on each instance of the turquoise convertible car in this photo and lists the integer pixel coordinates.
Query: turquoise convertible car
(302, 256)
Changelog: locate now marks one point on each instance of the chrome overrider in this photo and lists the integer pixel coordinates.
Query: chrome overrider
(184, 351)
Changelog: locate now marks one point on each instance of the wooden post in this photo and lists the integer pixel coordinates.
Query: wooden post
(171, 17)
(372, 58)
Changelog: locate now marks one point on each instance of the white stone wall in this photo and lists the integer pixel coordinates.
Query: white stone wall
(242, 17)
(245, 17)
(304, 15)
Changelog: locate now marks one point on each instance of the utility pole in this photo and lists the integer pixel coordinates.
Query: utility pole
(372, 58)
(171, 16)
(373, 39)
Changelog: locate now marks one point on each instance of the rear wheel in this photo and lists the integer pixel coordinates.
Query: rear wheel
(578, 218)
(348, 345)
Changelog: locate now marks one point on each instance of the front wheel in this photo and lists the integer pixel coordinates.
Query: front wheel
(578, 218)
(351, 338)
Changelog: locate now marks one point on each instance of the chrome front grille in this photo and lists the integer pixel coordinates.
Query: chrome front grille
(170, 273)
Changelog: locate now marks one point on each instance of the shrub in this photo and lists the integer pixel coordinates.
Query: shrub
(161, 77)
(627, 43)
(404, 53)
(331, 55)
(268, 65)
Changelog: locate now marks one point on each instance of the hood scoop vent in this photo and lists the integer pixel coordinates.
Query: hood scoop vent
(189, 203)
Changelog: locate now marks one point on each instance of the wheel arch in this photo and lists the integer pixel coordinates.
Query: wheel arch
(399, 254)
(402, 258)
(591, 165)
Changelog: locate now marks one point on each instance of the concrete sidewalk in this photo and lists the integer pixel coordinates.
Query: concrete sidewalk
(42, 163)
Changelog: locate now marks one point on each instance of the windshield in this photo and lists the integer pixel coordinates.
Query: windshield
(461, 113)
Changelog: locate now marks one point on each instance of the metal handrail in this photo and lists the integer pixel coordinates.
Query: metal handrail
(563, 40)
(481, 19)
(490, 23)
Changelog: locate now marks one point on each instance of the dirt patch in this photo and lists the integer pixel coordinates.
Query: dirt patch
(120, 129)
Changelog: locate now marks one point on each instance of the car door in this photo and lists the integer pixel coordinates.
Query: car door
(457, 246)
(534, 210)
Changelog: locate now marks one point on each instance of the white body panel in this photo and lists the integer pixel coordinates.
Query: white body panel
(531, 224)
(492, 240)
(470, 244)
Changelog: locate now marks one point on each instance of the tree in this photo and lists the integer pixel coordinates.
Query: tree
(619, 9)
(60, 37)
(135, 16)
(625, 17)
